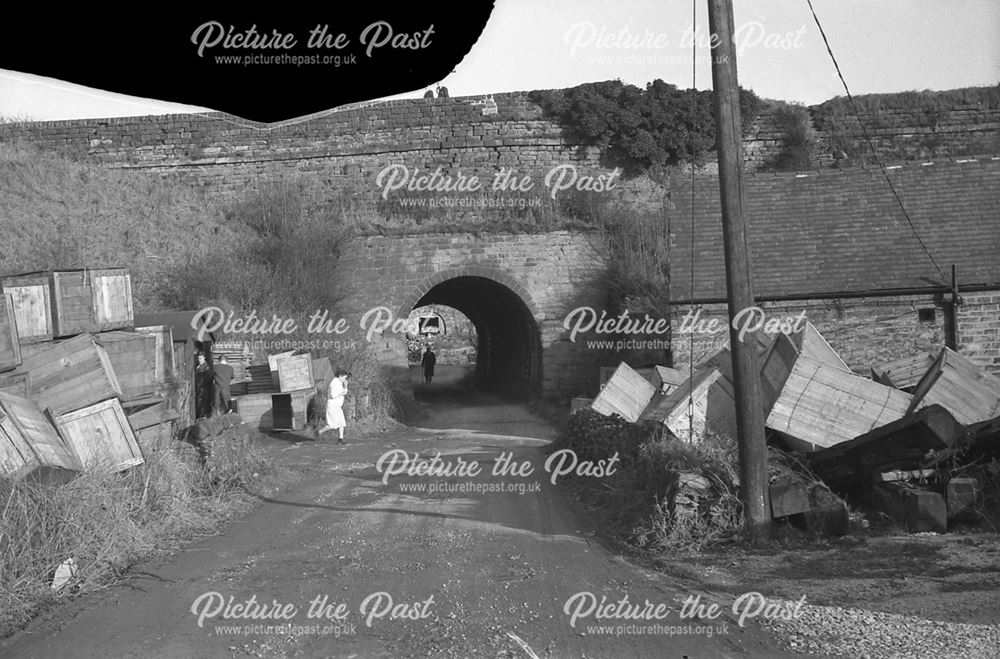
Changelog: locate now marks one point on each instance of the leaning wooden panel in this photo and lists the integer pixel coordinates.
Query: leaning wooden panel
(72, 302)
(101, 437)
(812, 344)
(17, 460)
(10, 347)
(821, 405)
(71, 375)
(22, 418)
(31, 299)
(626, 394)
(112, 298)
(971, 394)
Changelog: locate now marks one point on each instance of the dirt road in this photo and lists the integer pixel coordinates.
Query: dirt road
(355, 562)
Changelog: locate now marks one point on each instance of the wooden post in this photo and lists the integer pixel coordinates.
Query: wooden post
(739, 279)
(951, 320)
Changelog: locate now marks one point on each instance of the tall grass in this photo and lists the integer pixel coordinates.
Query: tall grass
(104, 522)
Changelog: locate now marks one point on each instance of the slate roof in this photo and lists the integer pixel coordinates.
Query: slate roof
(842, 232)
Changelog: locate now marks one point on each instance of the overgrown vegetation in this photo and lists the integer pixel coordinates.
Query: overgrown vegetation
(642, 130)
(105, 522)
(797, 151)
(642, 503)
(925, 109)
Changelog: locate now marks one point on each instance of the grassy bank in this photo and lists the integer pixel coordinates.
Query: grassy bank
(103, 523)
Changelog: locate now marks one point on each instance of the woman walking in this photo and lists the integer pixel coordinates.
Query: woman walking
(335, 419)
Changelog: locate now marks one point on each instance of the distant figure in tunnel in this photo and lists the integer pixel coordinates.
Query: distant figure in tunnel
(428, 361)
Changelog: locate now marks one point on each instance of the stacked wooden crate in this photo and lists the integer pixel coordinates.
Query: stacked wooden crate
(76, 366)
(279, 393)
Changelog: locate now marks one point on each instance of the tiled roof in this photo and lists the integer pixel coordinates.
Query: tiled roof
(834, 232)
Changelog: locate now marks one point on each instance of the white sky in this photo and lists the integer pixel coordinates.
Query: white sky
(882, 46)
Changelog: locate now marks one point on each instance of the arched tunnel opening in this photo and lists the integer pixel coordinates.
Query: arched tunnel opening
(508, 350)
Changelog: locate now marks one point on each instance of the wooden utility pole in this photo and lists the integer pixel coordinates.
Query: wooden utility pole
(739, 275)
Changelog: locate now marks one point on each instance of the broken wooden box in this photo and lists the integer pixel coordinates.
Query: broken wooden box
(28, 441)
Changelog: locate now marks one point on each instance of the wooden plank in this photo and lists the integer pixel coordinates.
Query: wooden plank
(903, 373)
(72, 303)
(820, 405)
(897, 446)
(163, 366)
(101, 437)
(626, 394)
(971, 394)
(22, 417)
(71, 375)
(31, 299)
(10, 348)
(17, 460)
(239, 355)
(112, 298)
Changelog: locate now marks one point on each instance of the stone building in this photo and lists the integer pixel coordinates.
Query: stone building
(837, 246)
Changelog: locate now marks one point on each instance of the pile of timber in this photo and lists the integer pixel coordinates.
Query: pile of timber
(78, 381)
(907, 438)
(279, 395)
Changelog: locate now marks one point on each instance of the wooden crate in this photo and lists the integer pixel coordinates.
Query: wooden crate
(295, 372)
(112, 298)
(71, 375)
(819, 405)
(673, 409)
(31, 298)
(626, 394)
(290, 408)
(100, 436)
(133, 356)
(10, 348)
(72, 303)
(256, 409)
(163, 367)
(28, 440)
(15, 382)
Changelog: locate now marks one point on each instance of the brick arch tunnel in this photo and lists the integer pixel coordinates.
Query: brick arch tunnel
(509, 353)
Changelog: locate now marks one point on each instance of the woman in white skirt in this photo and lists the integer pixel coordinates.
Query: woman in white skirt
(335, 405)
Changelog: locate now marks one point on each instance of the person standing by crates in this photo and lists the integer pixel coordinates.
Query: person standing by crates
(223, 376)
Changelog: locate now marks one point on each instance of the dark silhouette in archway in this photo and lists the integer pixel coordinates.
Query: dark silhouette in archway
(508, 358)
